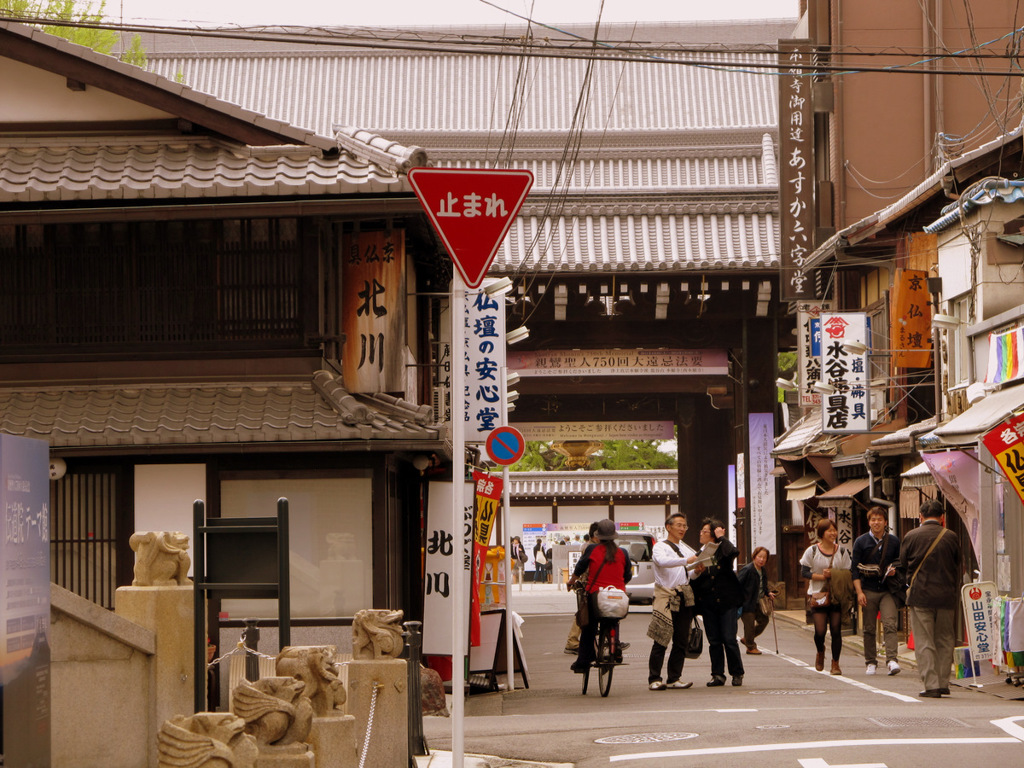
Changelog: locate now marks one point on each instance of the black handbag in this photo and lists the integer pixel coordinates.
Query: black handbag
(695, 642)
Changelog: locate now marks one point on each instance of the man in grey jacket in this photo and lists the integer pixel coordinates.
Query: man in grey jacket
(932, 562)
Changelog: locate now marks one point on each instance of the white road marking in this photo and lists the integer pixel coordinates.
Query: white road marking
(850, 681)
(1009, 724)
(817, 762)
(841, 744)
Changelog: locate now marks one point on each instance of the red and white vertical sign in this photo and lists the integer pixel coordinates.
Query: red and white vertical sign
(848, 409)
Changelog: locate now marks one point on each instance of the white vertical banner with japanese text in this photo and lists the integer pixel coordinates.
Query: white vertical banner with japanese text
(848, 409)
(796, 168)
(373, 304)
(761, 438)
(979, 622)
(483, 358)
(442, 553)
(808, 325)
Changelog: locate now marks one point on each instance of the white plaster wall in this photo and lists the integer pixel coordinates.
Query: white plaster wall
(32, 95)
(164, 494)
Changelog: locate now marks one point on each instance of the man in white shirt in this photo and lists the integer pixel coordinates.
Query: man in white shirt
(672, 611)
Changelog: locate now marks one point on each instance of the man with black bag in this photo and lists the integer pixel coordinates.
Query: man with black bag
(933, 565)
(873, 563)
(672, 611)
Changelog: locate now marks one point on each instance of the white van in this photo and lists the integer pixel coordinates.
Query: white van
(640, 545)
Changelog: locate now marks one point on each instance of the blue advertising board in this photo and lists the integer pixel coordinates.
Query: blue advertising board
(25, 601)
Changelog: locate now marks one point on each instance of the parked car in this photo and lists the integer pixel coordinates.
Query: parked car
(640, 545)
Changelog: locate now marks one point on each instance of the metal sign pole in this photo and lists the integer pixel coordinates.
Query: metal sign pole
(510, 670)
(458, 520)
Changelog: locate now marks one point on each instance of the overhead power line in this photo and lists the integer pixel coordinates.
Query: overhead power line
(553, 50)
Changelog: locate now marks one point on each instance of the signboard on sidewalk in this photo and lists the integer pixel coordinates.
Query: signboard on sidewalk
(25, 601)
(978, 621)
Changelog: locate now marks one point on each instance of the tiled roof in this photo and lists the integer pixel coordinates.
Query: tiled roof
(675, 163)
(641, 242)
(585, 484)
(208, 414)
(175, 167)
(168, 84)
(474, 92)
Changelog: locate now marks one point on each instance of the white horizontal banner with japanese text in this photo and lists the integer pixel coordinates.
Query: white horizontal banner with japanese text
(548, 431)
(620, 362)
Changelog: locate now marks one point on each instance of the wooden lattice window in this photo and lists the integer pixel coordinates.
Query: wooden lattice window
(151, 283)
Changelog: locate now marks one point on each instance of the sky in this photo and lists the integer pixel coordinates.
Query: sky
(395, 13)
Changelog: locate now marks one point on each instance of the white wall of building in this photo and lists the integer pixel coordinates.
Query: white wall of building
(164, 494)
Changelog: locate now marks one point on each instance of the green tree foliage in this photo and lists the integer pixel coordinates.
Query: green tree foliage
(615, 454)
(101, 40)
(633, 454)
(136, 54)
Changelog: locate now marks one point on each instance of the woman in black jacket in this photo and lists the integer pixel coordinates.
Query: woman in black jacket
(718, 595)
(753, 580)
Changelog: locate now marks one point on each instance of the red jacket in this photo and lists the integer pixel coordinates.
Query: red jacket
(611, 574)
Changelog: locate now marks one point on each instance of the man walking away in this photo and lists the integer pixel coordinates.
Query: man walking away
(873, 558)
(672, 611)
(932, 562)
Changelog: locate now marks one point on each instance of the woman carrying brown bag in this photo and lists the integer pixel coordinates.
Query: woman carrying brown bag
(818, 564)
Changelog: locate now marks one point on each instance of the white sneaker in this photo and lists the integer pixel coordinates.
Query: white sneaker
(657, 685)
(894, 667)
(679, 684)
(870, 669)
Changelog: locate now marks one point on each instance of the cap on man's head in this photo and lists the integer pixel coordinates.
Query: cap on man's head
(605, 530)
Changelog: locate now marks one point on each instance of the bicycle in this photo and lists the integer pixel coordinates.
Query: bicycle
(607, 655)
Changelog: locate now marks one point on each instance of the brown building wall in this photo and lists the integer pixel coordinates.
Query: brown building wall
(887, 123)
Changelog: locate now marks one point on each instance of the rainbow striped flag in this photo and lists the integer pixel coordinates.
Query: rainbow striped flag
(1005, 356)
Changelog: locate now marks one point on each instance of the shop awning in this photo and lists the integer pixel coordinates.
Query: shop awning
(803, 438)
(804, 488)
(841, 497)
(917, 476)
(969, 426)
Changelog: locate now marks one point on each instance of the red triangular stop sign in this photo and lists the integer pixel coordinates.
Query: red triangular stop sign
(472, 210)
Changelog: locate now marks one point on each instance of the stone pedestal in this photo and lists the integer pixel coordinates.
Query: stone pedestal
(389, 737)
(292, 756)
(335, 742)
(168, 613)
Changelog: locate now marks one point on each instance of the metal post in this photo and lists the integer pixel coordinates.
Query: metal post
(458, 590)
(506, 539)
(413, 646)
(199, 605)
(284, 600)
(251, 635)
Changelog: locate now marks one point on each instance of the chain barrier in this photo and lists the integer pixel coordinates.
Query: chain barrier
(239, 648)
(369, 724)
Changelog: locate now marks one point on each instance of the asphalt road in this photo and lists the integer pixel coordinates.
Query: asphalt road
(785, 714)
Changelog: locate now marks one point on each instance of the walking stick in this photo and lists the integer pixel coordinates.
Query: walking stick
(775, 630)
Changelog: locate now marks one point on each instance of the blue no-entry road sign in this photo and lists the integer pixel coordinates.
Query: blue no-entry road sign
(505, 445)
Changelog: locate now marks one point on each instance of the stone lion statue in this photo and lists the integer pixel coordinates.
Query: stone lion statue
(161, 559)
(275, 711)
(205, 740)
(312, 665)
(377, 634)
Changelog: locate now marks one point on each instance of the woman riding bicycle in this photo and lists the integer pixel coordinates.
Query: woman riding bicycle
(604, 565)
